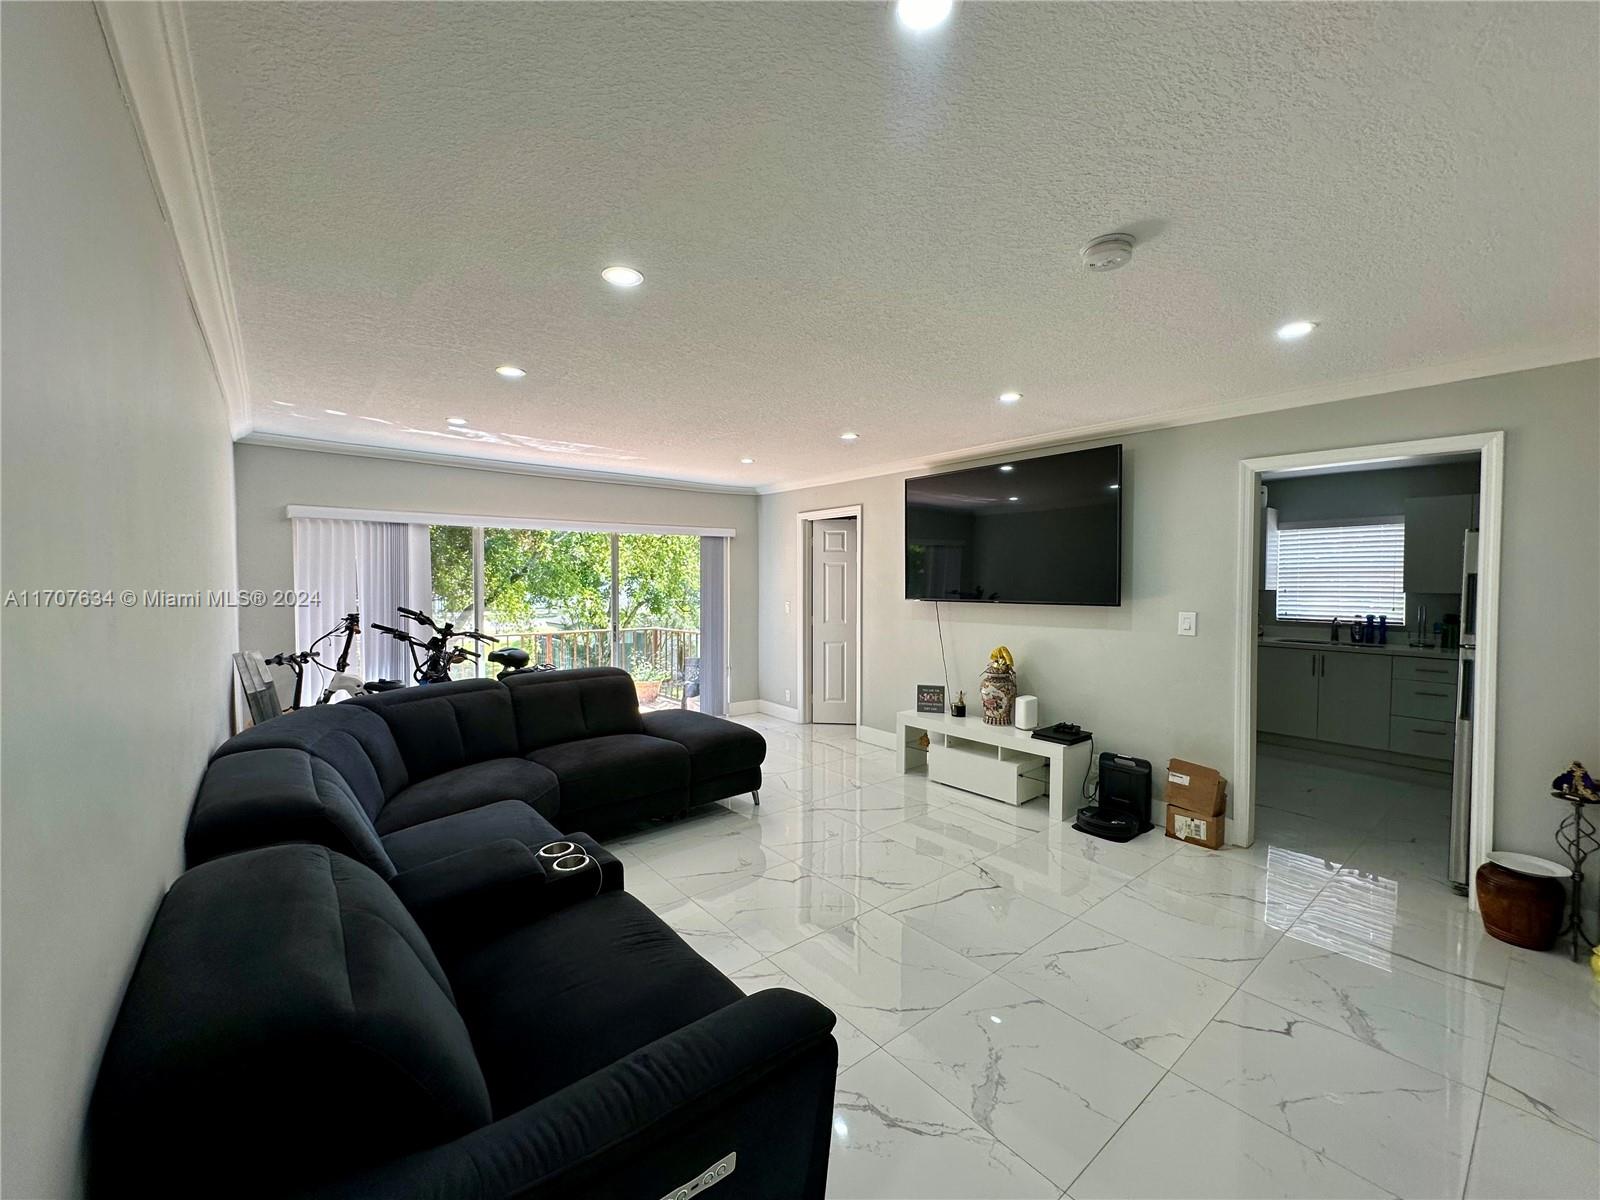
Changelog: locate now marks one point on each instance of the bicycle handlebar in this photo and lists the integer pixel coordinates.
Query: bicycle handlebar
(420, 618)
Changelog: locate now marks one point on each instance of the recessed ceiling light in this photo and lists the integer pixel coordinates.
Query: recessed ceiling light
(335, 412)
(1008, 467)
(747, 461)
(922, 14)
(622, 277)
(1115, 487)
(1295, 330)
(1013, 497)
(848, 437)
(510, 372)
(455, 421)
(1010, 397)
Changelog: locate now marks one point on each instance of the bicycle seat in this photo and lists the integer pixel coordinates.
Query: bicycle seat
(512, 658)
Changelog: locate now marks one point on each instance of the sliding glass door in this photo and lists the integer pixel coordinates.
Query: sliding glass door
(586, 599)
(549, 592)
(658, 616)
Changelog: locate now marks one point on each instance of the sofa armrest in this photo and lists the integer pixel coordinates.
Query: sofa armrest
(481, 892)
(754, 1078)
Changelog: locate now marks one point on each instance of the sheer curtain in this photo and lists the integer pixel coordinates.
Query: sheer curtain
(370, 567)
(324, 567)
(713, 621)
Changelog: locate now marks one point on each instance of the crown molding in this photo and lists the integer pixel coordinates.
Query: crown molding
(150, 51)
(499, 465)
(1324, 393)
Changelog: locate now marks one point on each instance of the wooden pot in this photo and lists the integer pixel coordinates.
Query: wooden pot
(1524, 910)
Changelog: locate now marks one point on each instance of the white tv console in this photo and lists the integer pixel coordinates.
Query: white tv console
(999, 761)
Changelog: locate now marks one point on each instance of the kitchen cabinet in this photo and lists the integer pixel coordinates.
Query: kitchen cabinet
(1434, 529)
(1353, 699)
(1422, 708)
(1286, 691)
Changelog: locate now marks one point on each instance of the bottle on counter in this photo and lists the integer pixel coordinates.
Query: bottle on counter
(1383, 631)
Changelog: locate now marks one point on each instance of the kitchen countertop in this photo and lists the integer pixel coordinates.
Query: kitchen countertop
(1394, 649)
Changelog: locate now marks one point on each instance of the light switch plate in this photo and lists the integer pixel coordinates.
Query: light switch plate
(1186, 624)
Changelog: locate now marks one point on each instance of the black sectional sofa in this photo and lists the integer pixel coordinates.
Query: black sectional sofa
(290, 1029)
(373, 983)
(402, 778)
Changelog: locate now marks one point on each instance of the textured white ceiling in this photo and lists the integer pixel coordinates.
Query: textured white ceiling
(843, 226)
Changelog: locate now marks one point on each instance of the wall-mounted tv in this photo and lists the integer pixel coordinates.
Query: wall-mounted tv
(1026, 531)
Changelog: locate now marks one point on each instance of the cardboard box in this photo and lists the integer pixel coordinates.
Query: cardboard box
(1196, 788)
(1198, 829)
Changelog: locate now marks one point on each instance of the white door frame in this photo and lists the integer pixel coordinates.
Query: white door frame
(803, 606)
(1490, 447)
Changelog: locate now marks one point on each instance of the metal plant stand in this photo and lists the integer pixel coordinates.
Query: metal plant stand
(1577, 838)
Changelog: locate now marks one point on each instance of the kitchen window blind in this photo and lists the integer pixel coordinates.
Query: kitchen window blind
(1345, 569)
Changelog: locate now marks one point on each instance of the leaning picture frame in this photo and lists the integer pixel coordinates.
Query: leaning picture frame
(930, 697)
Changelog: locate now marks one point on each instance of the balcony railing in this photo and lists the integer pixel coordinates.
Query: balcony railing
(675, 651)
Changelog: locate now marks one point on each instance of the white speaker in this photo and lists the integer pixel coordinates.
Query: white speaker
(1026, 713)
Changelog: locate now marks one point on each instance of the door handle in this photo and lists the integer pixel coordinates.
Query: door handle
(1429, 732)
(1441, 695)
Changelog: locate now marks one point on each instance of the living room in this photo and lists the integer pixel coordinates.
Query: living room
(680, 352)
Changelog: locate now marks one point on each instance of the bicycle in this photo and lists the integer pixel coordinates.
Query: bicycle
(343, 679)
(433, 658)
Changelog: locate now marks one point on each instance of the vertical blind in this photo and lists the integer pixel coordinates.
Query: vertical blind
(1346, 570)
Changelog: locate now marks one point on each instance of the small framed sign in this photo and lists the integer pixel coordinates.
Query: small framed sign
(930, 697)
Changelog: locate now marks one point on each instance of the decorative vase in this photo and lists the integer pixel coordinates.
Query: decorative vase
(998, 693)
(649, 690)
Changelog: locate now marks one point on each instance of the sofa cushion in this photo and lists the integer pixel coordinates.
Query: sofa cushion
(350, 739)
(444, 836)
(261, 797)
(472, 787)
(566, 706)
(443, 726)
(716, 747)
(286, 1017)
(601, 771)
(554, 1000)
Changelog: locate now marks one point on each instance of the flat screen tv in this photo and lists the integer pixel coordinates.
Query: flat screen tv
(1027, 531)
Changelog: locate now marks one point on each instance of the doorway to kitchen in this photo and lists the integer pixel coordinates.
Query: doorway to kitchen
(1364, 698)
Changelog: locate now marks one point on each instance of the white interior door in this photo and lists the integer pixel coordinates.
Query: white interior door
(834, 621)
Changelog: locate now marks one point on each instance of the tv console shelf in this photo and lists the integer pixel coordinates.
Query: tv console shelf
(999, 761)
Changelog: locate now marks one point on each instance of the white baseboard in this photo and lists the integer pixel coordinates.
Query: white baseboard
(743, 708)
(770, 709)
(878, 737)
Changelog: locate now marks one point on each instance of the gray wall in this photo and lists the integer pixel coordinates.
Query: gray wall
(118, 472)
(270, 478)
(1125, 673)
(1367, 493)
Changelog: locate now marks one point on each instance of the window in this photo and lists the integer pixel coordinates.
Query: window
(1344, 570)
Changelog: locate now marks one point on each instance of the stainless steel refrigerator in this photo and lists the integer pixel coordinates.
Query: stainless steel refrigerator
(1466, 683)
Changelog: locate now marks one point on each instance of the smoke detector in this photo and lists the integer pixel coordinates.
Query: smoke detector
(1109, 252)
